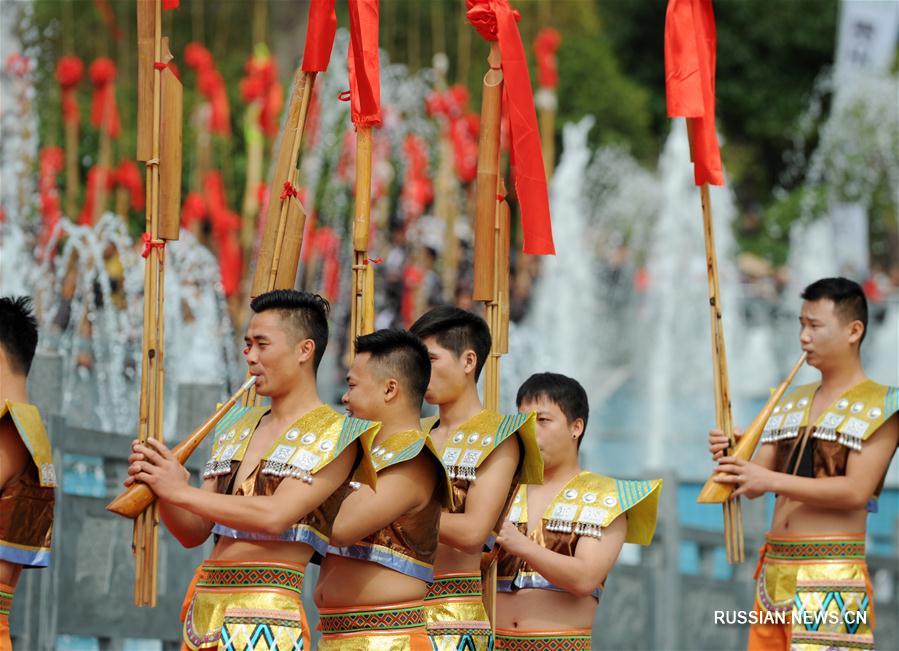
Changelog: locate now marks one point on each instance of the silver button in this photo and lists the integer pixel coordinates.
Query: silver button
(571, 494)
(292, 435)
(473, 437)
(609, 500)
(325, 445)
(589, 498)
(458, 437)
(874, 413)
(308, 439)
(487, 440)
(842, 404)
(802, 403)
(788, 406)
(857, 407)
(388, 456)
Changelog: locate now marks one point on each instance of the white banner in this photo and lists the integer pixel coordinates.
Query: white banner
(867, 35)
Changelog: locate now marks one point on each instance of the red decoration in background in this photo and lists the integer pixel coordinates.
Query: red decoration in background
(320, 30)
(171, 4)
(261, 85)
(417, 188)
(364, 72)
(225, 227)
(128, 176)
(193, 209)
(545, 46)
(69, 73)
(97, 176)
(104, 110)
(462, 128)
(211, 86)
(108, 17)
(51, 164)
(495, 21)
(18, 64)
(690, 81)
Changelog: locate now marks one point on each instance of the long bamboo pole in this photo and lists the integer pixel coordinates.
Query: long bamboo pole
(733, 518)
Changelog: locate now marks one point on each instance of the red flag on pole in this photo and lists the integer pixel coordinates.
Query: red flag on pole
(690, 81)
(495, 21)
(320, 30)
(365, 74)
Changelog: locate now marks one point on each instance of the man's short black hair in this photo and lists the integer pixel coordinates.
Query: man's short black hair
(849, 302)
(304, 314)
(560, 389)
(403, 356)
(457, 331)
(18, 332)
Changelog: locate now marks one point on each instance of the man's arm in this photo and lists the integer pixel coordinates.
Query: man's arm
(270, 514)
(189, 529)
(402, 488)
(580, 574)
(864, 470)
(468, 531)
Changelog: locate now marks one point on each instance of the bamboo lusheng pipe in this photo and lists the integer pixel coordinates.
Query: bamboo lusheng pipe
(136, 498)
(713, 492)
(282, 238)
(361, 309)
(488, 174)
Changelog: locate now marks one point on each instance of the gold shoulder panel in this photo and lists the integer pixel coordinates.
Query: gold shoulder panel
(27, 421)
(590, 502)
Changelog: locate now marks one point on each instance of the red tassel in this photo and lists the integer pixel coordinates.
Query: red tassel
(104, 110)
(545, 46)
(128, 176)
(69, 72)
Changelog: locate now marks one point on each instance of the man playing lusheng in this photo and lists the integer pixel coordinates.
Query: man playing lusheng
(373, 581)
(485, 462)
(563, 537)
(271, 489)
(825, 452)
(27, 478)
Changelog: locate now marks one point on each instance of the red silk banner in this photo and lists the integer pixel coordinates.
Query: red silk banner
(690, 81)
(365, 74)
(104, 110)
(320, 30)
(495, 21)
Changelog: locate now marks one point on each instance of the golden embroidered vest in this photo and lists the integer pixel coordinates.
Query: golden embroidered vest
(408, 544)
(843, 426)
(307, 446)
(587, 504)
(26, 501)
(467, 448)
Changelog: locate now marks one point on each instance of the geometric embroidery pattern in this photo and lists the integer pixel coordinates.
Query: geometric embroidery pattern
(375, 620)
(558, 642)
(816, 550)
(454, 586)
(261, 631)
(5, 602)
(461, 640)
(254, 577)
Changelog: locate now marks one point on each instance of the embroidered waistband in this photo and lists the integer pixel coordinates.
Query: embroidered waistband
(372, 619)
(815, 548)
(224, 574)
(455, 585)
